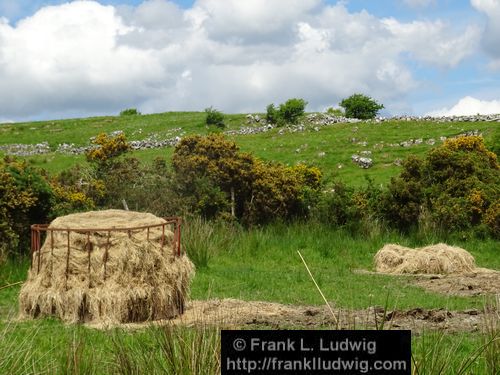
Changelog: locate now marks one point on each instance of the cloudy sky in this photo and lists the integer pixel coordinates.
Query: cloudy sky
(62, 59)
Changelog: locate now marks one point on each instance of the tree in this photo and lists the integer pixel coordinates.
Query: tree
(288, 112)
(214, 117)
(361, 107)
(292, 109)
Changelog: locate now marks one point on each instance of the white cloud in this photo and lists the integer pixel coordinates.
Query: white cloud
(83, 57)
(469, 106)
(491, 35)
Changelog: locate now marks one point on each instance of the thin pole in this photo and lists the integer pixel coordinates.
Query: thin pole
(67, 261)
(317, 286)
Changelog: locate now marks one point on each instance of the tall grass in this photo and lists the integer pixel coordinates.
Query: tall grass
(174, 350)
(202, 239)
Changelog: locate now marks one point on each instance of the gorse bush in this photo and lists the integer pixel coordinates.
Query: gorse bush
(107, 147)
(214, 117)
(208, 170)
(218, 179)
(457, 184)
(25, 198)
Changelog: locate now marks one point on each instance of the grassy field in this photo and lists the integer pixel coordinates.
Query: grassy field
(250, 264)
(259, 264)
(329, 148)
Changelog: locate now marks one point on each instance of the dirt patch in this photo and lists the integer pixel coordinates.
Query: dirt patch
(232, 313)
(482, 282)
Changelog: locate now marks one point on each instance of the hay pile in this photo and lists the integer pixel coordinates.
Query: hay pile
(433, 259)
(128, 278)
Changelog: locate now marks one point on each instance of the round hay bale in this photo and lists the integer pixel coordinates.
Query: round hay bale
(106, 276)
(433, 259)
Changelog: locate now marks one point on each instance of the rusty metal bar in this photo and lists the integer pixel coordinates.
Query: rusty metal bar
(179, 239)
(37, 229)
(67, 260)
(38, 239)
(162, 235)
(89, 249)
(32, 248)
(108, 244)
(51, 254)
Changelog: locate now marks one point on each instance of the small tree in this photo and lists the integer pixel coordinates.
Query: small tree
(272, 115)
(214, 117)
(292, 109)
(130, 112)
(361, 107)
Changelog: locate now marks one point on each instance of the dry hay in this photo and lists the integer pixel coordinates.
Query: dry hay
(433, 259)
(128, 279)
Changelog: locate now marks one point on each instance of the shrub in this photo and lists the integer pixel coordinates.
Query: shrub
(25, 198)
(130, 112)
(214, 117)
(337, 112)
(288, 112)
(360, 106)
(272, 115)
(107, 147)
(457, 186)
(210, 169)
(336, 206)
(280, 192)
(292, 109)
(215, 177)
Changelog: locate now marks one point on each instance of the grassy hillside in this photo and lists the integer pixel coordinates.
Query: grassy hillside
(329, 147)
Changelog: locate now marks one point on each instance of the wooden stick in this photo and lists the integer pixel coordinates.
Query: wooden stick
(9, 285)
(317, 286)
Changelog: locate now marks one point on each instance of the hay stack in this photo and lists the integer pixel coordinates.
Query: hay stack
(433, 259)
(128, 278)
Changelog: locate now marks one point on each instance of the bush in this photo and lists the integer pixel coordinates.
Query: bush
(456, 187)
(336, 206)
(288, 112)
(216, 178)
(130, 112)
(281, 192)
(272, 115)
(360, 106)
(337, 112)
(25, 199)
(214, 117)
(107, 148)
(207, 169)
(292, 109)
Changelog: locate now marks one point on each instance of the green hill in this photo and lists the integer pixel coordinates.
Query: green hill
(329, 147)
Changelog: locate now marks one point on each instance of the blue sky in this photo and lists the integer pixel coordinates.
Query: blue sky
(83, 58)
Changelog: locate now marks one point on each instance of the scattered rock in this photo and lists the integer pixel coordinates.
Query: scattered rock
(362, 161)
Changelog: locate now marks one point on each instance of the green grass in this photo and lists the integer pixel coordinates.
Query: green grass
(334, 141)
(263, 264)
(255, 264)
